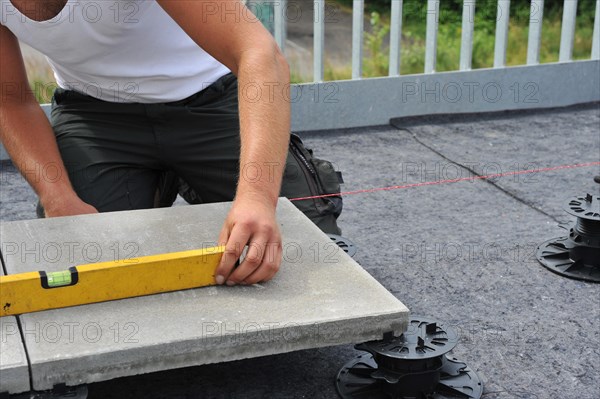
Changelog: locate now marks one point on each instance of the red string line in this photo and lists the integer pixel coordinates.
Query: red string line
(432, 183)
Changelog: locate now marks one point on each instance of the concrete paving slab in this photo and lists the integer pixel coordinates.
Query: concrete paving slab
(14, 370)
(312, 303)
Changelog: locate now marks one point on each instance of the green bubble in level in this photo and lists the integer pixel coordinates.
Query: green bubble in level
(59, 279)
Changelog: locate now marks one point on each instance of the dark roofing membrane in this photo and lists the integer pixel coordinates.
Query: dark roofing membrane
(463, 253)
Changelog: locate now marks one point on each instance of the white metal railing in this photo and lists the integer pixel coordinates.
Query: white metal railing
(357, 37)
(596, 34)
(319, 40)
(535, 32)
(395, 38)
(466, 43)
(502, 20)
(341, 104)
(433, 17)
(279, 22)
(433, 11)
(567, 35)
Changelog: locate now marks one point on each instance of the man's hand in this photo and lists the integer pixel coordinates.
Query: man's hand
(66, 205)
(251, 223)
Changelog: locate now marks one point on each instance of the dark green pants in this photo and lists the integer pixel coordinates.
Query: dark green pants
(117, 153)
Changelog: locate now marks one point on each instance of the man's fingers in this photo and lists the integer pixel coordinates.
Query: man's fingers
(249, 224)
(252, 260)
(223, 235)
(270, 264)
(233, 249)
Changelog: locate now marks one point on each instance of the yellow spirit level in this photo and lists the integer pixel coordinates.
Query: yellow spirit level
(106, 281)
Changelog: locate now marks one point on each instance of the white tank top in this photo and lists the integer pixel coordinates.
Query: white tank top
(118, 50)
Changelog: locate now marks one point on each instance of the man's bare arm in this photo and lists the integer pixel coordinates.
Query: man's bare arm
(28, 137)
(249, 51)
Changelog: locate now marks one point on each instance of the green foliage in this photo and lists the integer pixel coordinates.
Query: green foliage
(40, 77)
(43, 89)
(381, 6)
(412, 56)
(585, 7)
(377, 60)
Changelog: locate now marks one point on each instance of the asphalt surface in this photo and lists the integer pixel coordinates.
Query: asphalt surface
(462, 253)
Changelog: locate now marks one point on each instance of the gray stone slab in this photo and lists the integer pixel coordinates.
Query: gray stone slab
(321, 297)
(14, 371)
